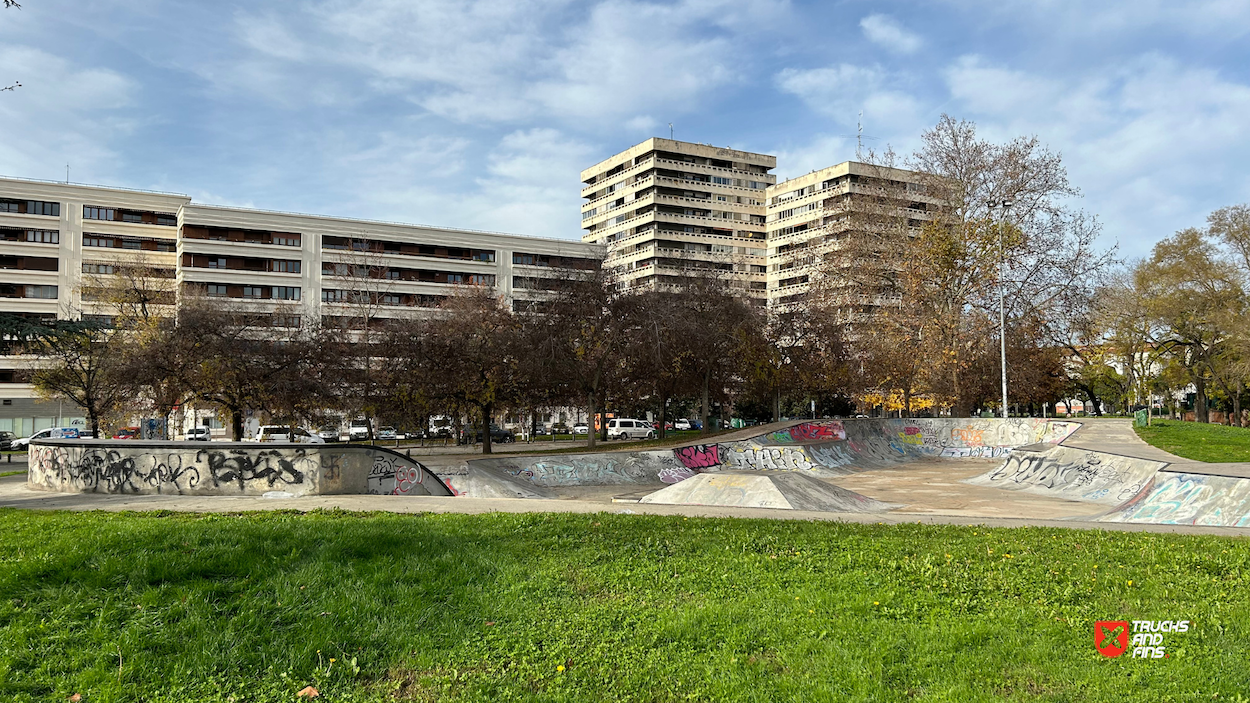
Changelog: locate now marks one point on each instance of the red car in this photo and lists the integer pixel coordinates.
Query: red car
(127, 433)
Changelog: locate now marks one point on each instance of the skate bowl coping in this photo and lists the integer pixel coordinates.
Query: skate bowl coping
(225, 468)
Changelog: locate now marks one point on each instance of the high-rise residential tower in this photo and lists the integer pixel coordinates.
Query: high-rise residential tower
(667, 210)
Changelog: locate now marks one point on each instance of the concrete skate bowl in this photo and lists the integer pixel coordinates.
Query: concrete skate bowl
(1132, 489)
(818, 449)
(1181, 498)
(226, 468)
(840, 447)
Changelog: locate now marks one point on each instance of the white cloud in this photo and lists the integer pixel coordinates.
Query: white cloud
(1153, 143)
(845, 90)
(507, 60)
(62, 114)
(884, 31)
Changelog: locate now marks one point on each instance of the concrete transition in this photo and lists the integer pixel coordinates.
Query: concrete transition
(787, 490)
(225, 468)
(1179, 498)
(1074, 474)
(814, 449)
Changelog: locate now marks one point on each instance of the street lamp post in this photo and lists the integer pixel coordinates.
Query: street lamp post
(1002, 308)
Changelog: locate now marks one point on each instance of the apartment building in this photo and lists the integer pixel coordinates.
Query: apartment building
(60, 242)
(667, 209)
(811, 217)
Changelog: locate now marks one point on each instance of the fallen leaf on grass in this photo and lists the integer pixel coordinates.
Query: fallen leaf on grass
(489, 624)
(307, 691)
(76, 697)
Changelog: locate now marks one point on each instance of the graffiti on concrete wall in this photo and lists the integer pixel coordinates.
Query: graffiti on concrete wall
(1080, 475)
(699, 456)
(749, 456)
(110, 470)
(1191, 499)
(675, 474)
(827, 431)
(392, 474)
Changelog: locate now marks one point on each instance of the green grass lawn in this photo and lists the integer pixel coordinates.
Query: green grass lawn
(254, 607)
(1198, 441)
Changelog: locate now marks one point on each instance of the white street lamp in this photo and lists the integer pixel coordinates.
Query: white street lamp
(1002, 314)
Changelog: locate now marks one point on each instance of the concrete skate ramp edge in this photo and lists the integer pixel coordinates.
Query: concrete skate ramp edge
(602, 469)
(1177, 498)
(1073, 474)
(225, 468)
(821, 448)
(785, 490)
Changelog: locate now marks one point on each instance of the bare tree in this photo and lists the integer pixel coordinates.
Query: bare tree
(81, 365)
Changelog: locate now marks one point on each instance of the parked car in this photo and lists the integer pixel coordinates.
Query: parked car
(328, 433)
(6, 440)
(282, 433)
(127, 433)
(198, 434)
(472, 435)
(359, 429)
(622, 428)
(682, 424)
(49, 433)
(581, 428)
(387, 433)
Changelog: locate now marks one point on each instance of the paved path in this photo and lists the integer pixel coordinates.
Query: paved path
(1116, 436)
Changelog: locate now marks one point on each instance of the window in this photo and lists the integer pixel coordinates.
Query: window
(284, 266)
(391, 299)
(98, 241)
(286, 321)
(758, 185)
(167, 220)
(286, 292)
(7, 205)
(41, 292)
(525, 259)
(43, 236)
(128, 216)
(287, 240)
(722, 181)
(333, 296)
(131, 244)
(217, 262)
(91, 212)
(392, 274)
(483, 256)
(455, 278)
(482, 279)
(216, 290)
(253, 292)
(98, 268)
(589, 213)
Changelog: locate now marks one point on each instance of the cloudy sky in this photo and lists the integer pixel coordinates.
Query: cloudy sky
(481, 114)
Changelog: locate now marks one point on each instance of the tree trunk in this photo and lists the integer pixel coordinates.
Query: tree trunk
(95, 424)
(1236, 419)
(777, 404)
(486, 413)
(707, 382)
(663, 417)
(236, 423)
(1200, 401)
(591, 409)
(907, 401)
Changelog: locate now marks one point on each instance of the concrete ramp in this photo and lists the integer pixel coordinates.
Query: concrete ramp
(1177, 498)
(1074, 474)
(785, 490)
(603, 469)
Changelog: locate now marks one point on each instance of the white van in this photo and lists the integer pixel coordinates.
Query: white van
(283, 433)
(629, 429)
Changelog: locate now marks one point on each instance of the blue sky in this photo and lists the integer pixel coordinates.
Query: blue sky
(482, 114)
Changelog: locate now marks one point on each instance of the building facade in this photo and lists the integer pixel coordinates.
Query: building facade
(811, 218)
(60, 242)
(665, 209)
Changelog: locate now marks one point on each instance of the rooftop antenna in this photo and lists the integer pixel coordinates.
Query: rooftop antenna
(670, 131)
(859, 137)
(66, 174)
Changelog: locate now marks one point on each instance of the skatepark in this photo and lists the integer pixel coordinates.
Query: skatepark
(1021, 470)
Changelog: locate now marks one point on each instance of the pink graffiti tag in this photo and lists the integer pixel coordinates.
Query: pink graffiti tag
(699, 456)
(817, 431)
(406, 478)
(911, 430)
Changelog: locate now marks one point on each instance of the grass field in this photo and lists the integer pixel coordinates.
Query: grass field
(1198, 441)
(254, 607)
